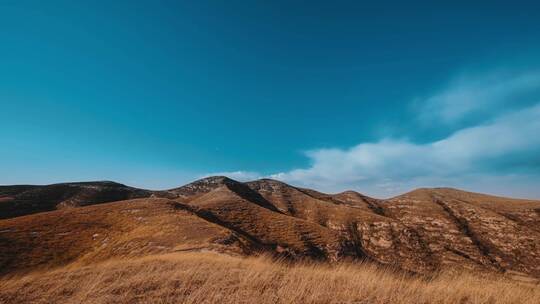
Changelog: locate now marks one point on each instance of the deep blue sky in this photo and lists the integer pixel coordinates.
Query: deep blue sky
(331, 95)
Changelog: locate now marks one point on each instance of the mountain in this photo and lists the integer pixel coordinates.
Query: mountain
(422, 231)
(473, 229)
(26, 199)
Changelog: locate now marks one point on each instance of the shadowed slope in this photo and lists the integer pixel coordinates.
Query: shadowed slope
(368, 234)
(269, 230)
(24, 200)
(473, 230)
(203, 186)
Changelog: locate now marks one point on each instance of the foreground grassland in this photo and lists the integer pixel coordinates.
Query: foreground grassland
(215, 278)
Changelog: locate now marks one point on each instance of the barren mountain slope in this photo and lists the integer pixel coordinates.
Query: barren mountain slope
(25, 199)
(357, 219)
(473, 230)
(99, 232)
(421, 231)
(351, 224)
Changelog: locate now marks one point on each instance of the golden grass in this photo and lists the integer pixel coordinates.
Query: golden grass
(214, 278)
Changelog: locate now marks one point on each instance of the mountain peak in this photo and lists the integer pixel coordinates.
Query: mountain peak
(203, 185)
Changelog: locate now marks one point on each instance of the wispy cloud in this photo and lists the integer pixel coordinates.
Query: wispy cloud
(480, 95)
(500, 153)
(390, 166)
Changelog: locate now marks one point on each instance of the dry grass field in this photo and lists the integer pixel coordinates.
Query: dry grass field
(205, 277)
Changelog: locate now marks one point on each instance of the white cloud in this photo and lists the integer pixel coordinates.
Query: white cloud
(499, 155)
(478, 94)
(391, 166)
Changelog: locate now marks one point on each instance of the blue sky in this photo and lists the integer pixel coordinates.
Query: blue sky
(375, 97)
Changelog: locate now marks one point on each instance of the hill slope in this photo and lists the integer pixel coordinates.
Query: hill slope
(423, 231)
(26, 199)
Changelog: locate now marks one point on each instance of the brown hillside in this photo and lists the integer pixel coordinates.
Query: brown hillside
(475, 230)
(96, 233)
(24, 199)
(422, 231)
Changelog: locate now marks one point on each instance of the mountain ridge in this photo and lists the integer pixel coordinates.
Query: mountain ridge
(421, 231)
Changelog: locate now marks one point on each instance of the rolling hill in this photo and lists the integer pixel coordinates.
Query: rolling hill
(27, 199)
(422, 231)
